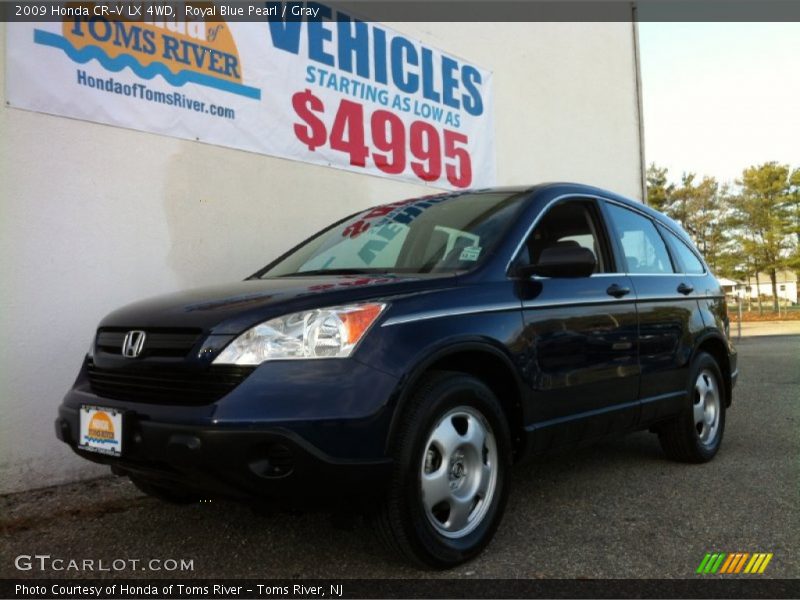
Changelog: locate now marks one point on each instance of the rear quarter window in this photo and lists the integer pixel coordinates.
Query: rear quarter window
(687, 259)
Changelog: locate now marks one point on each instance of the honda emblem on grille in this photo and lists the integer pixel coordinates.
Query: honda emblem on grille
(133, 344)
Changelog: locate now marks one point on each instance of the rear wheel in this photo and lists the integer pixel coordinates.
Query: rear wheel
(165, 493)
(450, 482)
(696, 434)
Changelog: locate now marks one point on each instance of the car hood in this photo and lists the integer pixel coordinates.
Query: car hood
(232, 308)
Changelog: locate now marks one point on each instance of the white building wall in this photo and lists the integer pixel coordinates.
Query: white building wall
(93, 217)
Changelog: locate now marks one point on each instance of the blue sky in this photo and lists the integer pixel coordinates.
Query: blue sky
(719, 97)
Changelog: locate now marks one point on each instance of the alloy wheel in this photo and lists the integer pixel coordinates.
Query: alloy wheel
(459, 472)
(706, 408)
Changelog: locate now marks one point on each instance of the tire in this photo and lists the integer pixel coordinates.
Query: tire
(450, 481)
(165, 493)
(695, 434)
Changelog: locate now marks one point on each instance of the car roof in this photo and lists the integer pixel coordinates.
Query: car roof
(559, 188)
(553, 189)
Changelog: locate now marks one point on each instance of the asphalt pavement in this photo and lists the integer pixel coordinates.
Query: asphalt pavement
(618, 509)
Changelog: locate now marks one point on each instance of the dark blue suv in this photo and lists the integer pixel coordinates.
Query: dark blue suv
(403, 358)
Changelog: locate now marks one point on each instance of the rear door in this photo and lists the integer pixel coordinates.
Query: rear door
(667, 307)
(580, 333)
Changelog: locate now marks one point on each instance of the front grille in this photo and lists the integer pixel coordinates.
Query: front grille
(158, 342)
(166, 385)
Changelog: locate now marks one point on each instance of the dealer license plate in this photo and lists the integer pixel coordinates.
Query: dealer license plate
(101, 430)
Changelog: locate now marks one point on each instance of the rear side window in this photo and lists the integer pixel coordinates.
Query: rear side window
(643, 247)
(686, 256)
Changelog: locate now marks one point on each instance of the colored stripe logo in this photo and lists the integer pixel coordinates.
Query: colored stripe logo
(734, 563)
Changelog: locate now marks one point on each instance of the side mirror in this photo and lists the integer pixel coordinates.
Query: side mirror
(562, 261)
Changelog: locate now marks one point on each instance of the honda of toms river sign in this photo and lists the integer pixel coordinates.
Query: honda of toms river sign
(330, 90)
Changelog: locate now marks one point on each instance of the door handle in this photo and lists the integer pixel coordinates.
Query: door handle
(617, 290)
(685, 289)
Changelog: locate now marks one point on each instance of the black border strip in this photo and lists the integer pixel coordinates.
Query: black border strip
(701, 587)
(487, 11)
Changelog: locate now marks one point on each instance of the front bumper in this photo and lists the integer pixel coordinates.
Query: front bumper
(271, 462)
(293, 430)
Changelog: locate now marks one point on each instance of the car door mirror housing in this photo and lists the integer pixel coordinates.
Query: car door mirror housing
(562, 261)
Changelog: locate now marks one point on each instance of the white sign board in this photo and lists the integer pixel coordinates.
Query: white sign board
(332, 90)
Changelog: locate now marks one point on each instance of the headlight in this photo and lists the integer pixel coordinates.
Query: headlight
(322, 333)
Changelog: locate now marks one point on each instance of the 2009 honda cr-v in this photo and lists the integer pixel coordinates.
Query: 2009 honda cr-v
(407, 355)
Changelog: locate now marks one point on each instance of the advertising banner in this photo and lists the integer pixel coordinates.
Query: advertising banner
(326, 88)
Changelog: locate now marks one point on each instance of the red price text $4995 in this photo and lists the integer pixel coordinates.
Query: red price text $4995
(430, 150)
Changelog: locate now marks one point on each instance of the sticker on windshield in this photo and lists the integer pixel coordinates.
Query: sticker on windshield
(471, 253)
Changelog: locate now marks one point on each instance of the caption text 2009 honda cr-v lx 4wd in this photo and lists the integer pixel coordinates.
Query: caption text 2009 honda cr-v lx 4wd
(407, 355)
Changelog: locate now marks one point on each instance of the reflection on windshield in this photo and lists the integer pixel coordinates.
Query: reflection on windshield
(443, 233)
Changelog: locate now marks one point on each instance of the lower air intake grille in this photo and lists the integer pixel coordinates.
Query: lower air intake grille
(166, 385)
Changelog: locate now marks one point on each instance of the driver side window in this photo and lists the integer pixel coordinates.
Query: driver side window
(569, 223)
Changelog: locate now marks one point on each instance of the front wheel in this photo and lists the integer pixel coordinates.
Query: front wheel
(450, 482)
(696, 434)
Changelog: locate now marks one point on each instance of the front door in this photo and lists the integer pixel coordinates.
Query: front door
(581, 335)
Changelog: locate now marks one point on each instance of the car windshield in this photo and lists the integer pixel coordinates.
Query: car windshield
(424, 235)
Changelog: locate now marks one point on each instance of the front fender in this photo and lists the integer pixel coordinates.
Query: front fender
(409, 350)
